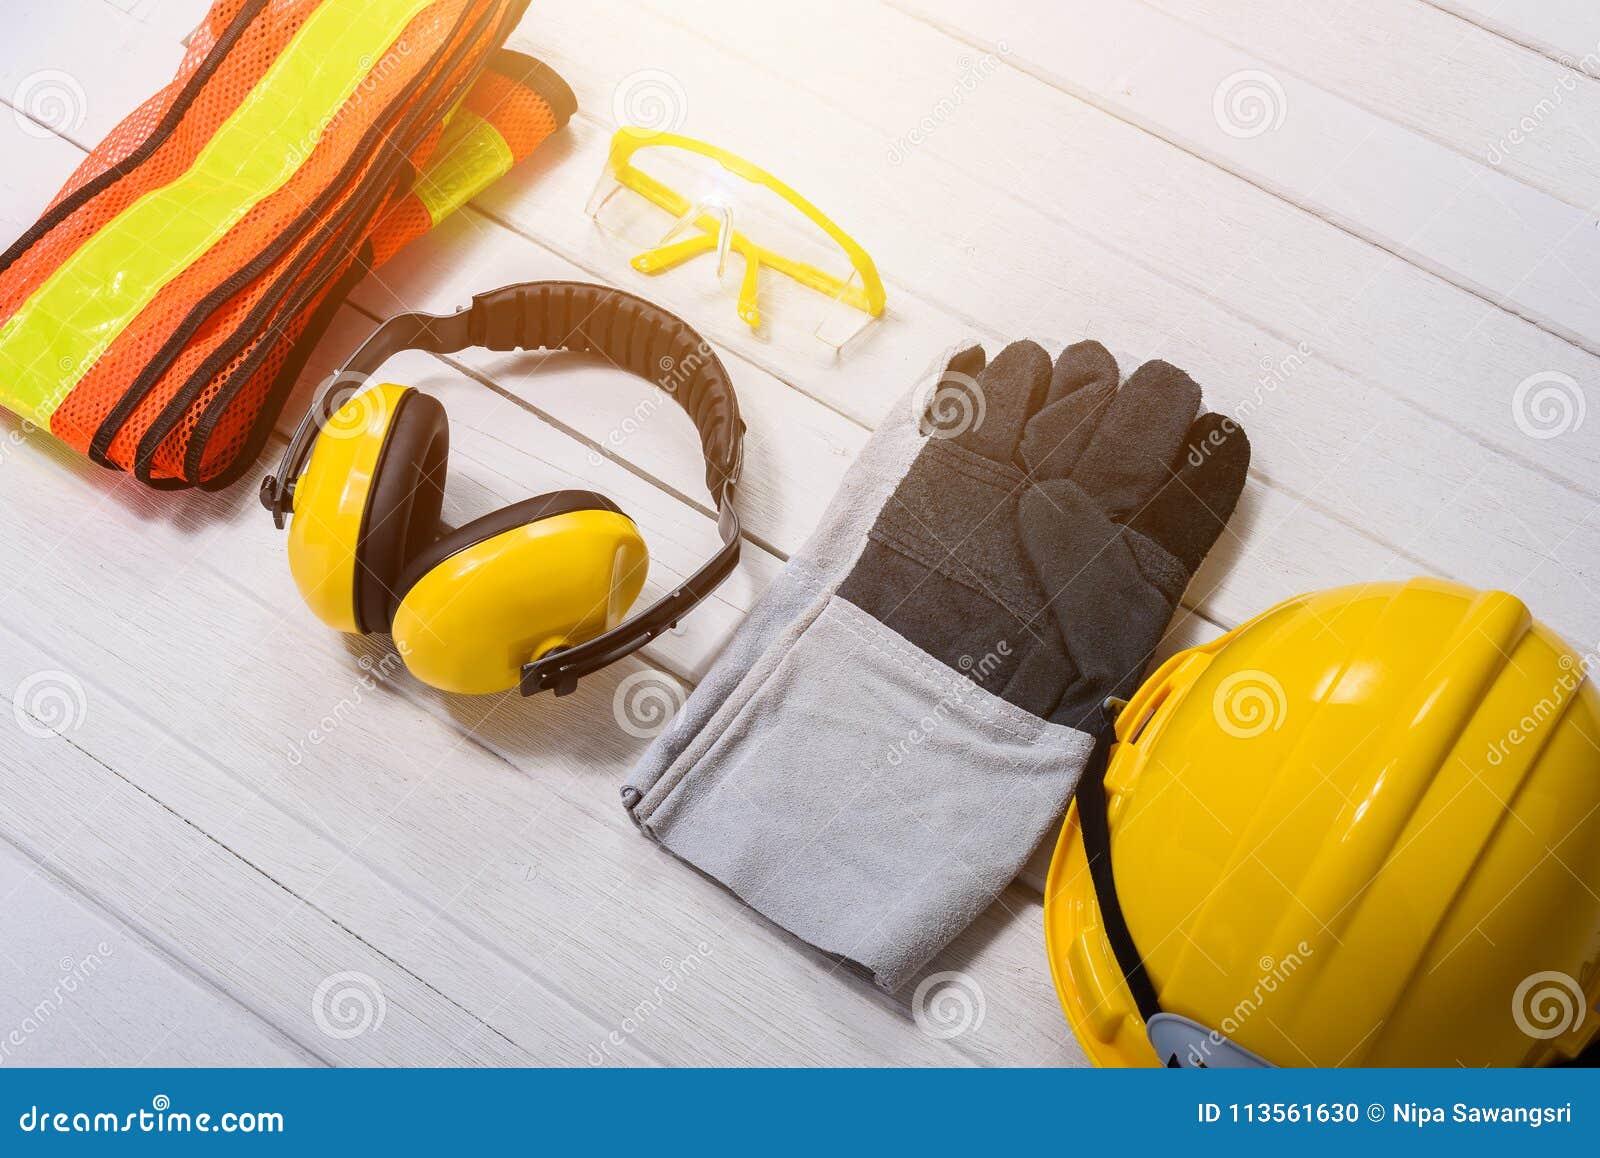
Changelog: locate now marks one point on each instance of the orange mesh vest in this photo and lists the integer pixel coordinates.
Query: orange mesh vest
(157, 314)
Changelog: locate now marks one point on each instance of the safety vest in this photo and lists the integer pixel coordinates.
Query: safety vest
(157, 314)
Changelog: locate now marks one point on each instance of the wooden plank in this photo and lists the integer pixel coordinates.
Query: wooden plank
(1295, 529)
(858, 382)
(39, 164)
(81, 988)
(1458, 218)
(1278, 531)
(1567, 31)
(1314, 428)
(189, 893)
(173, 20)
(1101, 184)
(1398, 423)
(461, 407)
(1458, 85)
(604, 907)
(77, 67)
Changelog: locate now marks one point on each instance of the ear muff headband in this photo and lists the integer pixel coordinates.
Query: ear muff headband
(626, 330)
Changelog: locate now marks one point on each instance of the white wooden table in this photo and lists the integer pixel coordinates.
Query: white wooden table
(1367, 228)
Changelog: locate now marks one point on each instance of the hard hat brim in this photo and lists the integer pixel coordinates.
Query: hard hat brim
(1088, 982)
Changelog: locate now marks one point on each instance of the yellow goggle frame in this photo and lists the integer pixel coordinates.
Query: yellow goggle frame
(867, 296)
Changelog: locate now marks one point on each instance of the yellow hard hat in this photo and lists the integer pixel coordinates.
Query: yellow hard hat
(1361, 829)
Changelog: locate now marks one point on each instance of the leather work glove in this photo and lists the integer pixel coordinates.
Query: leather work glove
(1064, 526)
(908, 710)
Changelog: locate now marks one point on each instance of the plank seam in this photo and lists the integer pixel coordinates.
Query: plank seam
(1207, 294)
(146, 938)
(1549, 51)
(1338, 221)
(350, 854)
(1355, 100)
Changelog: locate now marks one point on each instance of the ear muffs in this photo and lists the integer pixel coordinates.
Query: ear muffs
(528, 597)
(541, 574)
(368, 500)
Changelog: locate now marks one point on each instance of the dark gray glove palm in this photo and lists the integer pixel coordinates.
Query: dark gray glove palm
(1043, 549)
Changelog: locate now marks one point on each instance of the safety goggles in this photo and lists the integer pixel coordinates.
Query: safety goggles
(671, 200)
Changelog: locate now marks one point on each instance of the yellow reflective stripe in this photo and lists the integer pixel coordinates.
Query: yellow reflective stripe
(54, 339)
(471, 156)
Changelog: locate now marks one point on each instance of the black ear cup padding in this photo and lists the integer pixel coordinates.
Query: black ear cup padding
(403, 505)
(497, 523)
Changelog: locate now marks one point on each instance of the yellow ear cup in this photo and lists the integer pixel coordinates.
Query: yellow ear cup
(472, 618)
(371, 490)
(330, 499)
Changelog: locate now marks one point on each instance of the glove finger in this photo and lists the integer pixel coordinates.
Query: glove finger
(968, 360)
(1188, 514)
(986, 414)
(1085, 379)
(1100, 595)
(1141, 436)
(944, 405)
